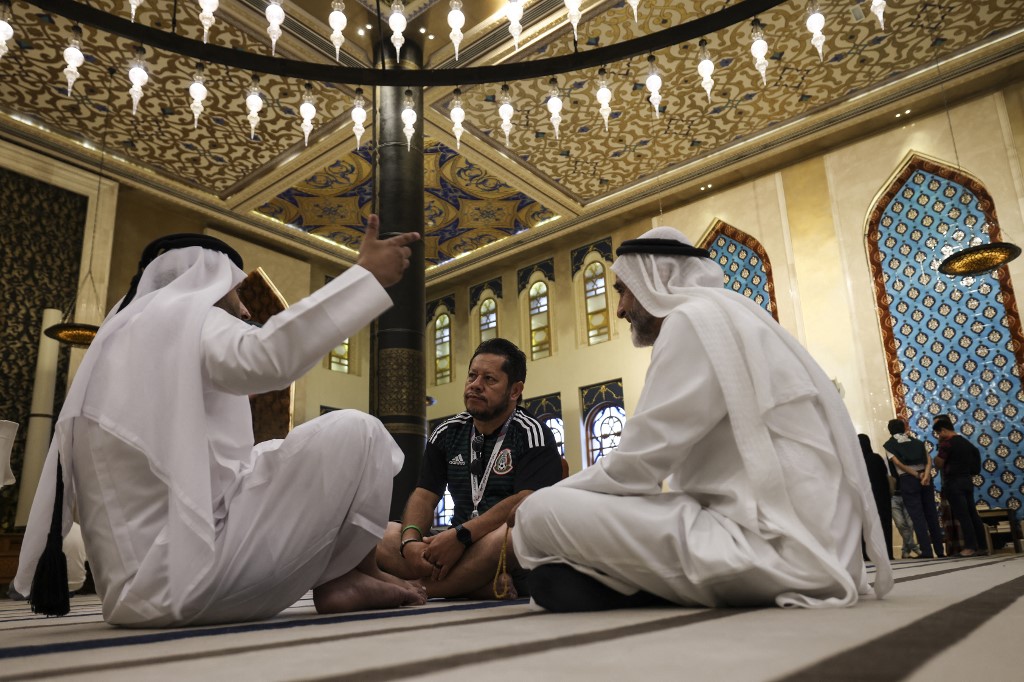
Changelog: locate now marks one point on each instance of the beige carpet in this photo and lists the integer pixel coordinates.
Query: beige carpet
(955, 619)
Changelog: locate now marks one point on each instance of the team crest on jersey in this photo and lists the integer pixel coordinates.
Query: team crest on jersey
(503, 465)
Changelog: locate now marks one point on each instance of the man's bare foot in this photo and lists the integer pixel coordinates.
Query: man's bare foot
(370, 568)
(356, 591)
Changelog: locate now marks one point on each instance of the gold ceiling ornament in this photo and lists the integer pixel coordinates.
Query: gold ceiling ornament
(979, 259)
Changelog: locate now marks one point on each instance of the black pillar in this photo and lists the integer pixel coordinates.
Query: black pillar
(398, 382)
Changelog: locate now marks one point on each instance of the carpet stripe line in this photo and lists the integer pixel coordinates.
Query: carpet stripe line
(896, 655)
(451, 661)
(174, 658)
(213, 631)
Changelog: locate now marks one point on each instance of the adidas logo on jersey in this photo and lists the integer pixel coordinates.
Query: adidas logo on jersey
(457, 460)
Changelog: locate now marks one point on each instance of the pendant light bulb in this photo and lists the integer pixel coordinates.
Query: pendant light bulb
(506, 111)
(358, 115)
(514, 13)
(337, 21)
(206, 18)
(878, 9)
(554, 105)
(634, 4)
(654, 85)
(134, 5)
(254, 103)
(604, 96)
(574, 15)
(307, 110)
(408, 118)
(197, 91)
(457, 115)
(456, 20)
(73, 56)
(275, 17)
(759, 49)
(6, 30)
(816, 22)
(138, 76)
(705, 68)
(397, 23)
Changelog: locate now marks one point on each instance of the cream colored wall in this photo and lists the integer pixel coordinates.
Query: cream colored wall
(572, 365)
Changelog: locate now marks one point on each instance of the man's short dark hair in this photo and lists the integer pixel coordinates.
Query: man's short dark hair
(515, 360)
(942, 423)
(896, 426)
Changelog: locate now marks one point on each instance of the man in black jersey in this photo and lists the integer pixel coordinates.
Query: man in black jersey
(490, 457)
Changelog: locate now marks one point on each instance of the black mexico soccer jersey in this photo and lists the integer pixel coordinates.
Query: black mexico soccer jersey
(527, 460)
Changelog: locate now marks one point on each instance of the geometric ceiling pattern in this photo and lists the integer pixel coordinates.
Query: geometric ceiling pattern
(552, 181)
(466, 207)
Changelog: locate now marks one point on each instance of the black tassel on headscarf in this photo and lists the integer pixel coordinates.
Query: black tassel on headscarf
(50, 596)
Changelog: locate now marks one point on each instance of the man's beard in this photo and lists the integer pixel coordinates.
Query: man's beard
(643, 327)
(486, 414)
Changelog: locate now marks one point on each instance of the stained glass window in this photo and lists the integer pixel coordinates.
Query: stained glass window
(604, 428)
(442, 349)
(596, 301)
(488, 319)
(540, 324)
(338, 360)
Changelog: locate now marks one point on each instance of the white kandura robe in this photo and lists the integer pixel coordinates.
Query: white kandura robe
(777, 523)
(287, 515)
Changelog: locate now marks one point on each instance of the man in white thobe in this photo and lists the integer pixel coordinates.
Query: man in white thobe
(764, 499)
(185, 520)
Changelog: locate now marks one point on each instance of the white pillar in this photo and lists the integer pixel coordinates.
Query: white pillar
(40, 421)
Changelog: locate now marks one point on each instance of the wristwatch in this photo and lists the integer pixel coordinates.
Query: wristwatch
(463, 535)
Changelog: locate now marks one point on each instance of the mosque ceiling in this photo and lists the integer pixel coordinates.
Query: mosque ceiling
(487, 191)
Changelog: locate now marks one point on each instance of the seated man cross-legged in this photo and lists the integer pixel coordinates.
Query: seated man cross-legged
(186, 519)
(490, 457)
(766, 496)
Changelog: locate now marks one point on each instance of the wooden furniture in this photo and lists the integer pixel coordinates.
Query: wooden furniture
(1002, 525)
(10, 547)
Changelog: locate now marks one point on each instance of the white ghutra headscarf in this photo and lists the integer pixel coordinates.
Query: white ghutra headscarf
(733, 331)
(141, 381)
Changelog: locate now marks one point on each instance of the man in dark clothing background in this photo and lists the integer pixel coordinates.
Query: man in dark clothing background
(959, 461)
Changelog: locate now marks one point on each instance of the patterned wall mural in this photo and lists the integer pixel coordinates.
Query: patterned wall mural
(748, 270)
(953, 345)
(466, 207)
(41, 229)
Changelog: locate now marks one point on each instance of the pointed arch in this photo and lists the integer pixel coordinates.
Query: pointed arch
(748, 270)
(952, 345)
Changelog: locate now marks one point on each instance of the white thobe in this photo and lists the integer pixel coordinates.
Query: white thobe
(289, 514)
(706, 539)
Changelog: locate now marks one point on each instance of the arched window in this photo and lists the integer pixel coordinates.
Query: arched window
(338, 360)
(604, 428)
(488, 319)
(596, 300)
(540, 323)
(558, 431)
(442, 349)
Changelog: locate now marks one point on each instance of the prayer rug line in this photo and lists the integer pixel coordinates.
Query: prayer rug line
(248, 649)
(896, 655)
(218, 630)
(968, 567)
(450, 661)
